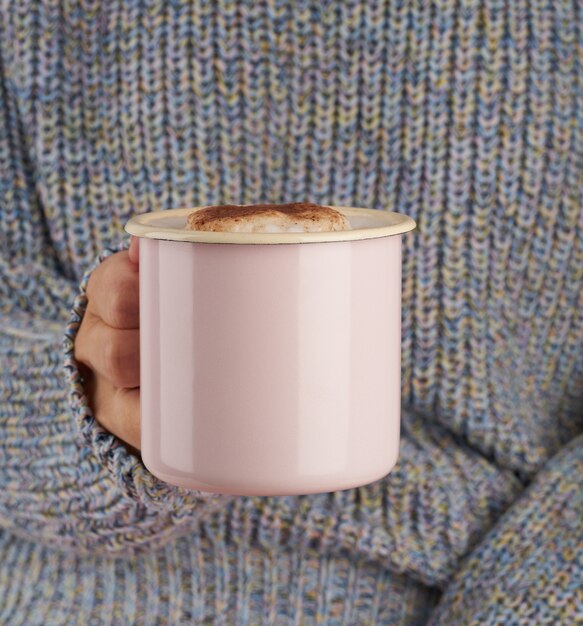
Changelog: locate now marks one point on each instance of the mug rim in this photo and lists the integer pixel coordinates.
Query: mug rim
(389, 223)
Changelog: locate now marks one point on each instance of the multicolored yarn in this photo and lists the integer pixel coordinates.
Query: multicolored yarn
(465, 115)
(529, 568)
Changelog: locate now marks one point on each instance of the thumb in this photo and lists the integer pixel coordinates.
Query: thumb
(134, 250)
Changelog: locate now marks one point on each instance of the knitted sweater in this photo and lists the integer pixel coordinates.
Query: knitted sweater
(466, 116)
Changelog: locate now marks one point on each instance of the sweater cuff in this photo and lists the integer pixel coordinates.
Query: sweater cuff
(128, 471)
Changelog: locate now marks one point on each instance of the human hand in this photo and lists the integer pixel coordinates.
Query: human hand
(107, 346)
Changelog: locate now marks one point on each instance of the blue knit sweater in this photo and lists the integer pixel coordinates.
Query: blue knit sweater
(465, 115)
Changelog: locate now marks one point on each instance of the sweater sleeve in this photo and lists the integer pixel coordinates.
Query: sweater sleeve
(529, 568)
(64, 480)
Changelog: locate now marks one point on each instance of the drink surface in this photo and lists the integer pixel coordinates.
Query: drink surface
(268, 218)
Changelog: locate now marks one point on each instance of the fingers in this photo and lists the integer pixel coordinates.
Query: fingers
(126, 409)
(111, 352)
(117, 410)
(113, 292)
(107, 346)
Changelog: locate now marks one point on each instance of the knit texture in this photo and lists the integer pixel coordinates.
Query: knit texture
(465, 115)
(529, 569)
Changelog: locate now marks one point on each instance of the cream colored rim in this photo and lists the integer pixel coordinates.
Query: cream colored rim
(389, 223)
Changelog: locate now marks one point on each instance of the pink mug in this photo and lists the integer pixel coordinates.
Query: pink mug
(270, 362)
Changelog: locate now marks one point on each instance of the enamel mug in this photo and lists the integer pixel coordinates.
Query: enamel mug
(270, 363)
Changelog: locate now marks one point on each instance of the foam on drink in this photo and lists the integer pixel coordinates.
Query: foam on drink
(294, 217)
